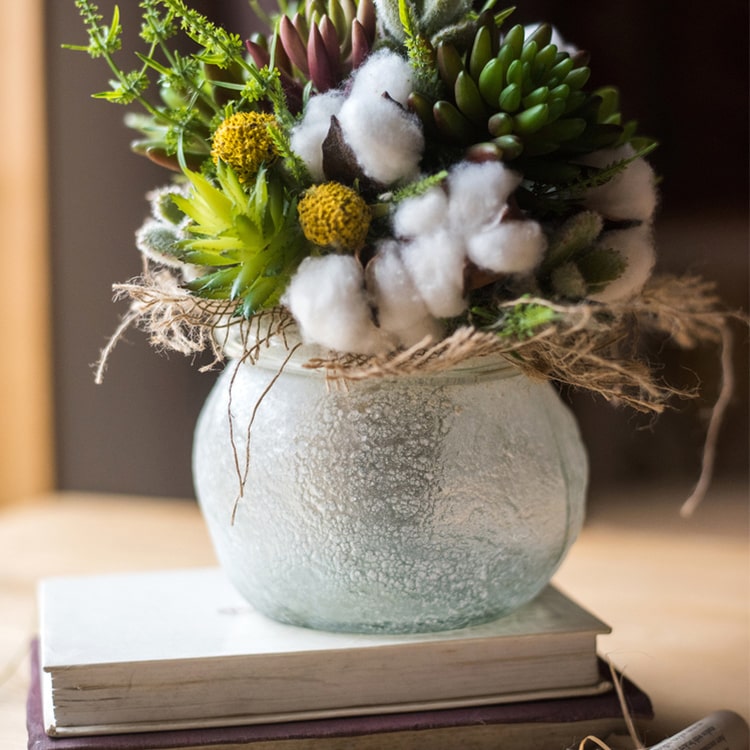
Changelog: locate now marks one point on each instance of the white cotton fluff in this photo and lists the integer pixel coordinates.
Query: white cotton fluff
(327, 299)
(479, 193)
(400, 308)
(510, 247)
(630, 195)
(436, 266)
(384, 72)
(636, 246)
(386, 139)
(422, 214)
(307, 137)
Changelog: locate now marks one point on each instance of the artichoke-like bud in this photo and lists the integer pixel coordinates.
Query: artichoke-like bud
(519, 97)
(322, 44)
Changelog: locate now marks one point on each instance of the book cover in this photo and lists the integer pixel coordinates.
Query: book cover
(110, 645)
(542, 724)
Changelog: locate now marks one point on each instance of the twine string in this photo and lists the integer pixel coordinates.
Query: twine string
(243, 472)
(617, 680)
(718, 411)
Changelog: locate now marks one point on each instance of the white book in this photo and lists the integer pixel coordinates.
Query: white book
(182, 648)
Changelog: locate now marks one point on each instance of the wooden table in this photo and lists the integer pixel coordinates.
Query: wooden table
(675, 591)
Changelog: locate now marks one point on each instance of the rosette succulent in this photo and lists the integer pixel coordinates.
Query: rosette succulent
(322, 43)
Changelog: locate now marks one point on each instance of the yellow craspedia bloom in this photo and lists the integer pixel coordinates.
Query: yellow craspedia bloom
(243, 143)
(334, 214)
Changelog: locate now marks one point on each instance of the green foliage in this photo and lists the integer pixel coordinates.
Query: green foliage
(128, 89)
(519, 322)
(156, 28)
(190, 93)
(104, 41)
(573, 237)
(420, 52)
(578, 262)
(419, 187)
(563, 186)
(428, 17)
(160, 241)
(247, 242)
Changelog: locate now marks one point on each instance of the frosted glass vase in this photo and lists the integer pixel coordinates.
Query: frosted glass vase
(392, 505)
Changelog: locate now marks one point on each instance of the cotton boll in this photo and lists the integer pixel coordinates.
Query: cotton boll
(510, 247)
(384, 72)
(436, 266)
(636, 246)
(629, 195)
(423, 214)
(326, 297)
(401, 310)
(479, 193)
(308, 136)
(386, 139)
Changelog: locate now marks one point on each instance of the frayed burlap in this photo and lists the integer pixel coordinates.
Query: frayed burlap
(177, 320)
(588, 346)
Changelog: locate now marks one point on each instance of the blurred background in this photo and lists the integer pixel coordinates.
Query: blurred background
(72, 198)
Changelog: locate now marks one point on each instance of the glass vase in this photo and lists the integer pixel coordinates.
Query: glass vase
(390, 505)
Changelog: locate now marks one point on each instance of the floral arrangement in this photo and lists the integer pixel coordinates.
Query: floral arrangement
(410, 183)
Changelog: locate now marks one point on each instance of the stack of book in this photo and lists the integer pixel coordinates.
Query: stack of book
(177, 659)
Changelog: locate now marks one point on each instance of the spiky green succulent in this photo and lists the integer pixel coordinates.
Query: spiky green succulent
(246, 242)
(520, 98)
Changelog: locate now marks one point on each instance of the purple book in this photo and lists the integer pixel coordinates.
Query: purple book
(553, 724)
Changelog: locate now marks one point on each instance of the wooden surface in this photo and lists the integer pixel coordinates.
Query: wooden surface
(674, 591)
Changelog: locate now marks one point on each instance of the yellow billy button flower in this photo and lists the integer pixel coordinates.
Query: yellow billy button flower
(334, 214)
(243, 143)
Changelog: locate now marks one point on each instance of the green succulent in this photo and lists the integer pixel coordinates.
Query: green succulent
(428, 17)
(321, 43)
(519, 98)
(247, 242)
(576, 263)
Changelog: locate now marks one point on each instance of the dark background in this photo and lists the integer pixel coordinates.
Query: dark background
(682, 71)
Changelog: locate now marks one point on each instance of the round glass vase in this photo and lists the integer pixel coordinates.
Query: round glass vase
(389, 505)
